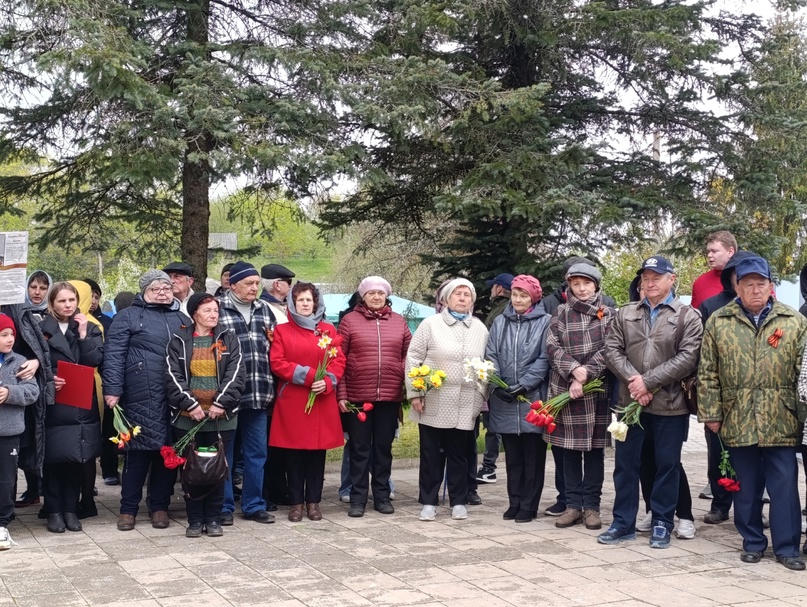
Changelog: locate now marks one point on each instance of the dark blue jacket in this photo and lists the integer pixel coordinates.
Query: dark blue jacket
(135, 365)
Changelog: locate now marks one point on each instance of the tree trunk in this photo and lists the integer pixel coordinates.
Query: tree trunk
(196, 174)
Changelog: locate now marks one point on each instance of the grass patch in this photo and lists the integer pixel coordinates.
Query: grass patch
(407, 445)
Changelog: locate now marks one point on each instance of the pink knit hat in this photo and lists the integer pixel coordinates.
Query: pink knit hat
(529, 284)
(374, 283)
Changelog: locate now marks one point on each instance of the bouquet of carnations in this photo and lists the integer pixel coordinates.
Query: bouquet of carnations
(543, 414)
(728, 480)
(424, 379)
(330, 346)
(172, 454)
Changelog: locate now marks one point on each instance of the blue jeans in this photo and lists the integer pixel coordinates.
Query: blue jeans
(254, 446)
(668, 433)
(777, 468)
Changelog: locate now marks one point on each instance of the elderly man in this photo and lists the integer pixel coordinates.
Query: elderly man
(252, 321)
(181, 275)
(643, 350)
(276, 287)
(747, 392)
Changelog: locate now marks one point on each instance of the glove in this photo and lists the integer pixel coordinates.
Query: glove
(515, 390)
(503, 395)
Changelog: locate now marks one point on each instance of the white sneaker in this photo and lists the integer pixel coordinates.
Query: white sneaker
(645, 524)
(686, 529)
(5, 539)
(459, 513)
(345, 498)
(429, 513)
(392, 495)
(804, 526)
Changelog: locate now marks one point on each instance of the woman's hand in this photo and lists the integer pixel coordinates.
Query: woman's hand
(3, 395)
(111, 401)
(216, 412)
(197, 414)
(319, 386)
(28, 369)
(82, 325)
(581, 375)
(576, 389)
(343, 406)
(59, 382)
(417, 404)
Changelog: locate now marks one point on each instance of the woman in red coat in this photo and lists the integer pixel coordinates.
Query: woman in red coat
(295, 354)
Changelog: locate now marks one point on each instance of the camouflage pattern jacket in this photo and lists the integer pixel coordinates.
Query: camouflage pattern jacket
(747, 383)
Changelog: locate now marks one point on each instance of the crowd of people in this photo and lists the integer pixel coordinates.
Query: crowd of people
(256, 376)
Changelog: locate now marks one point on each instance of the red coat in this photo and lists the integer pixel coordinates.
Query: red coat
(375, 346)
(293, 349)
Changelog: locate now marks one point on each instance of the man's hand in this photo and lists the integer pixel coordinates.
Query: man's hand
(111, 401)
(644, 399)
(3, 395)
(28, 369)
(636, 386)
(417, 404)
(714, 426)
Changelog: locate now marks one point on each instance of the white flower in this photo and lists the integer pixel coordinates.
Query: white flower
(619, 430)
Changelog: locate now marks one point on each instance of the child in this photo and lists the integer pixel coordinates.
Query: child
(14, 395)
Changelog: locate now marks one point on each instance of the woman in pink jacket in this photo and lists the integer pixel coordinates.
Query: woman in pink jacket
(375, 341)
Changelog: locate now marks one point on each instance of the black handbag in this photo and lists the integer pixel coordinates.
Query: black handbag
(204, 469)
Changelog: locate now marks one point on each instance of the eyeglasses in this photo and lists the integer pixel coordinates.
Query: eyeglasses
(158, 290)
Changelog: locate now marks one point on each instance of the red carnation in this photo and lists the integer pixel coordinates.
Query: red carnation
(729, 484)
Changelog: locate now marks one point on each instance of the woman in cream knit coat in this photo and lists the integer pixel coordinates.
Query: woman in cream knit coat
(446, 415)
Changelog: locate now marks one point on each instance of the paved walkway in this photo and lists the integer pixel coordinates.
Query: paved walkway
(388, 560)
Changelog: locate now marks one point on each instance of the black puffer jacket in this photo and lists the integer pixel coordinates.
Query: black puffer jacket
(230, 370)
(135, 365)
(31, 344)
(72, 434)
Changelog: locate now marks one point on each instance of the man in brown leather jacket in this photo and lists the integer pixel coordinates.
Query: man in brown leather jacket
(641, 349)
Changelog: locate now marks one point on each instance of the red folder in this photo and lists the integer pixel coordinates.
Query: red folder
(78, 387)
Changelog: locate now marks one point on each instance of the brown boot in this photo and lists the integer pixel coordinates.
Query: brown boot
(160, 520)
(592, 519)
(570, 517)
(314, 513)
(126, 522)
(296, 513)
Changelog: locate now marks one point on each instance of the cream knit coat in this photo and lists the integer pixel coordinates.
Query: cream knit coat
(443, 342)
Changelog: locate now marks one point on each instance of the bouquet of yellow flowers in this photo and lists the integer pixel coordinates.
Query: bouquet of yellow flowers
(424, 378)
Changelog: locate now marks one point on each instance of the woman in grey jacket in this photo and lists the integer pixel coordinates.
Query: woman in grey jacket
(517, 347)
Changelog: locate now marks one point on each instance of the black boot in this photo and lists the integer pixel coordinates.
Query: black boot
(71, 521)
(56, 523)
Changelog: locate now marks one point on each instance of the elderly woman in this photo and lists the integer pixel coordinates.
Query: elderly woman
(296, 352)
(375, 341)
(205, 377)
(517, 349)
(134, 377)
(446, 416)
(576, 346)
(72, 434)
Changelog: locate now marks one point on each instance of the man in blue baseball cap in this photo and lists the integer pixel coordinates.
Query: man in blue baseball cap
(748, 383)
(645, 353)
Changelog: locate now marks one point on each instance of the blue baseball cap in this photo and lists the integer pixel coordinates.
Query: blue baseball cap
(658, 264)
(753, 265)
(503, 280)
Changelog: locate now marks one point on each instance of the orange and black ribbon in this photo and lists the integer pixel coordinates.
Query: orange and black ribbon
(776, 337)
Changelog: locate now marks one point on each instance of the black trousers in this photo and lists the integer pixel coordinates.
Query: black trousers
(136, 468)
(109, 450)
(525, 463)
(275, 485)
(647, 475)
(473, 484)
(584, 472)
(61, 485)
(206, 509)
(560, 477)
(306, 473)
(9, 455)
(443, 450)
(370, 449)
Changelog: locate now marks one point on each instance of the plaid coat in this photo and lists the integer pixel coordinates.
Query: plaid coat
(576, 338)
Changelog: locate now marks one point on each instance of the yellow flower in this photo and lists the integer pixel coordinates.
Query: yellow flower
(135, 430)
(440, 374)
(436, 381)
(324, 342)
(425, 370)
(333, 352)
(114, 439)
(418, 384)
(414, 372)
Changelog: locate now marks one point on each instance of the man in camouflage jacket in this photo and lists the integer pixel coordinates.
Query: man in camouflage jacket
(750, 362)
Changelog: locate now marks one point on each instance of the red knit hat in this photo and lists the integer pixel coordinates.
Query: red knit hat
(7, 323)
(530, 284)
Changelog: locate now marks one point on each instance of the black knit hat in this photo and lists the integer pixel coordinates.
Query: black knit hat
(197, 299)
